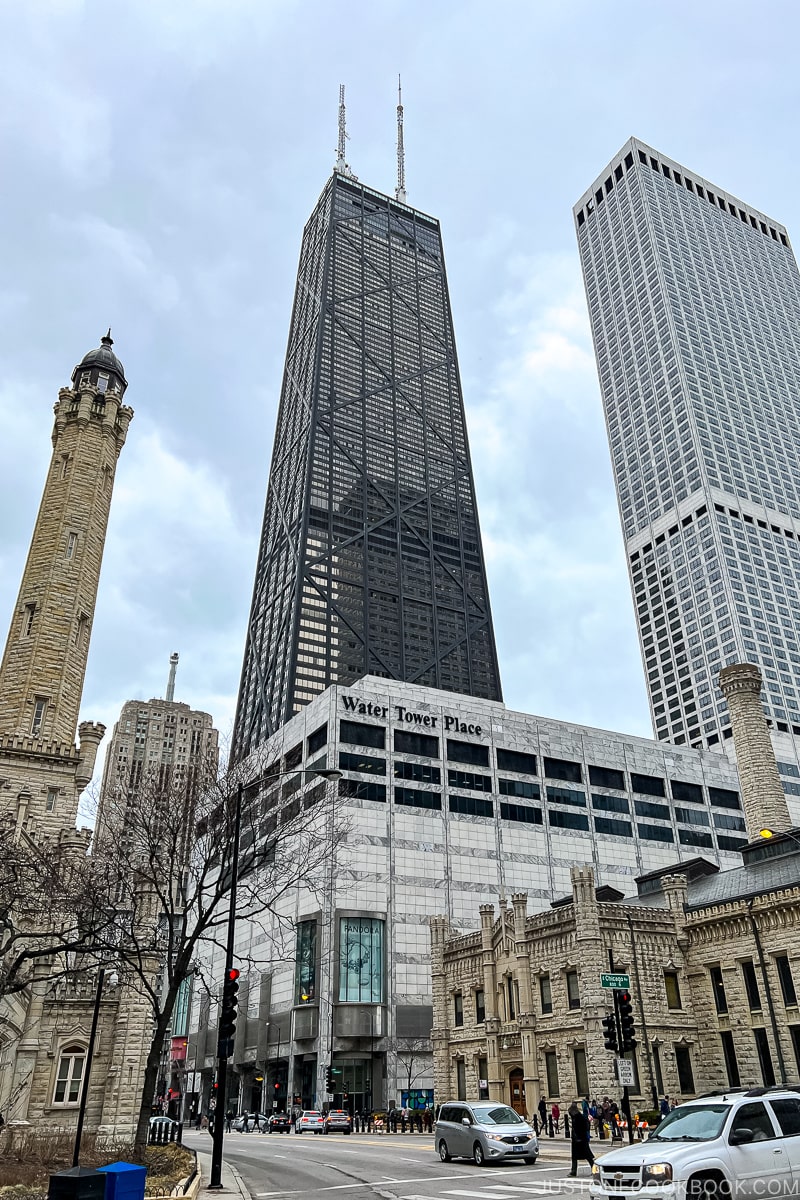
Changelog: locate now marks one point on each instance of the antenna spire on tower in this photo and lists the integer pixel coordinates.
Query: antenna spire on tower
(341, 165)
(400, 190)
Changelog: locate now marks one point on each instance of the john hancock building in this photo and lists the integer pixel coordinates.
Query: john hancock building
(694, 297)
(370, 561)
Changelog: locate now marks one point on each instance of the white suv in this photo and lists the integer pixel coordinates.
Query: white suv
(743, 1142)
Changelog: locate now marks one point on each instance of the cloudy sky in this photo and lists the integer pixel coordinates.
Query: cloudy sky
(158, 161)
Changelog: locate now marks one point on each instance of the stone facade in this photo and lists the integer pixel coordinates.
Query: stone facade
(44, 1030)
(762, 791)
(713, 959)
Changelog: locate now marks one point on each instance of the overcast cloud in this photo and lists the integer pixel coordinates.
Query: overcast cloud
(158, 162)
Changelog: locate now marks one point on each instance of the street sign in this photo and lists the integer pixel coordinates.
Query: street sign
(609, 980)
(625, 1075)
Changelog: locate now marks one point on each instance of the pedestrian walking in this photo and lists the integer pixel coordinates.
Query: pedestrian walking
(228, 1119)
(542, 1106)
(580, 1138)
(555, 1113)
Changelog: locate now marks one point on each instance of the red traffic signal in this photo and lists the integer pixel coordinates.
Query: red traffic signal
(231, 974)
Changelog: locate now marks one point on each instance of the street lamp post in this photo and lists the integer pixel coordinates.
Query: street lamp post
(215, 1181)
(76, 1152)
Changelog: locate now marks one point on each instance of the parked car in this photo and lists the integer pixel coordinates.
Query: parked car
(310, 1121)
(337, 1120)
(485, 1131)
(161, 1122)
(247, 1122)
(739, 1142)
(280, 1123)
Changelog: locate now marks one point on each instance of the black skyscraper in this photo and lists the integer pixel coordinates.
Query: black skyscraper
(370, 559)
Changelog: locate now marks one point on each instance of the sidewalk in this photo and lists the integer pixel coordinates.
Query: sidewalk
(232, 1182)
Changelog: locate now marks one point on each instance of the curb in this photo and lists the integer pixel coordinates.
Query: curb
(232, 1182)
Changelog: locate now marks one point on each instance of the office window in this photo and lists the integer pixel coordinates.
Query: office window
(558, 768)
(472, 806)
(72, 542)
(566, 796)
(359, 789)
(305, 971)
(516, 760)
(786, 980)
(416, 743)
(520, 812)
(417, 798)
(691, 793)
(567, 820)
(356, 733)
(366, 763)
(751, 986)
(683, 1061)
(52, 799)
(610, 803)
(729, 1055)
(458, 1009)
(647, 785)
(545, 994)
(483, 1079)
(467, 752)
(607, 777)
(468, 779)
(718, 989)
(480, 1008)
(417, 772)
(519, 787)
(317, 739)
(614, 828)
(724, 797)
(673, 990)
(69, 1076)
(581, 1074)
(573, 990)
(551, 1071)
(361, 960)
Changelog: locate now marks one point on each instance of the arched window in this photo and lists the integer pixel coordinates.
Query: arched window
(71, 1066)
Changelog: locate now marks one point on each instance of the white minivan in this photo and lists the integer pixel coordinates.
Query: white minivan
(485, 1131)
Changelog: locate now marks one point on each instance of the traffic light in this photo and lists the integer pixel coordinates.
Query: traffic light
(626, 1026)
(329, 1080)
(227, 1017)
(610, 1033)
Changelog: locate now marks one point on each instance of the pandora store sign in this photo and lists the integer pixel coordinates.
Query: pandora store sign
(406, 716)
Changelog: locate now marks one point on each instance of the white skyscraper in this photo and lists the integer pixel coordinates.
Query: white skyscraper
(694, 301)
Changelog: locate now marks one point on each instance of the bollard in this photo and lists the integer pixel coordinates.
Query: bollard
(566, 1127)
(550, 1129)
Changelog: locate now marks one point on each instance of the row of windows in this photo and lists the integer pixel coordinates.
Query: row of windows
(359, 734)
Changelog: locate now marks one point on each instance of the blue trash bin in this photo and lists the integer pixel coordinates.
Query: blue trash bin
(125, 1181)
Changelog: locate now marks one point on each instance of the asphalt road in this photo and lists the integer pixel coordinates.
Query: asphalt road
(365, 1166)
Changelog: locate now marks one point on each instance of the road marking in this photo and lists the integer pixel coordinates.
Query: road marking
(342, 1187)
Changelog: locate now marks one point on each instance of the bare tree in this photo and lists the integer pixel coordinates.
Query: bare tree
(166, 850)
(54, 906)
(413, 1058)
